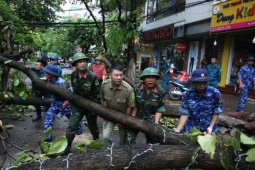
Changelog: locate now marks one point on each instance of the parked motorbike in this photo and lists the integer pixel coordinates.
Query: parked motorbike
(178, 85)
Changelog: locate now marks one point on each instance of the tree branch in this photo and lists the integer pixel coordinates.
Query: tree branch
(119, 16)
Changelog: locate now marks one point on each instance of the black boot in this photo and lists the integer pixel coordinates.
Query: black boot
(95, 136)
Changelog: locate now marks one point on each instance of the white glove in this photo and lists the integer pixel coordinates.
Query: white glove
(209, 130)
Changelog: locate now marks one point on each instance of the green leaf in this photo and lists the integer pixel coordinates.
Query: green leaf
(25, 96)
(246, 140)
(21, 94)
(189, 135)
(47, 132)
(16, 82)
(22, 154)
(87, 141)
(45, 146)
(194, 154)
(96, 144)
(236, 141)
(6, 96)
(224, 157)
(58, 146)
(9, 126)
(8, 61)
(208, 143)
(10, 94)
(250, 155)
(81, 147)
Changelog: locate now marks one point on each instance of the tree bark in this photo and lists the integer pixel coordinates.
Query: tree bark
(160, 157)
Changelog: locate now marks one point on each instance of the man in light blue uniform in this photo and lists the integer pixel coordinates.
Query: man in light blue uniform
(38, 69)
(214, 73)
(54, 61)
(53, 77)
(165, 69)
(201, 105)
(245, 75)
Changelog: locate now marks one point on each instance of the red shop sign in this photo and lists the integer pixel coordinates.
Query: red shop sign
(181, 46)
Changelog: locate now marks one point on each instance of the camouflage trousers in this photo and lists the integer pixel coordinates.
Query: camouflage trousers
(56, 108)
(132, 134)
(75, 120)
(242, 100)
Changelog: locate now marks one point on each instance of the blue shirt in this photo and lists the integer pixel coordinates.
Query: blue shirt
(59, 70)
(200, 109)
(40, 74)
(58, 82)
(247, 74)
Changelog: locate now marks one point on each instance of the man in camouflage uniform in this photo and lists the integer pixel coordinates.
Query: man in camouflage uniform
(85, 84)
(149, 102)
(118, 95)
(246, 76)
(53, 77)
(201, 105)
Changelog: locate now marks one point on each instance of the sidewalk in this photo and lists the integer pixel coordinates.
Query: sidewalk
(229, 103)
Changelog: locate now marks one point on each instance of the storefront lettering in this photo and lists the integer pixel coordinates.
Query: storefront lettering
(244, 11)
(221, 17)
(159, 33)
(226, 5)
(236, 3)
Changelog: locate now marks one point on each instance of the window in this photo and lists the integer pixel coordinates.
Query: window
(158, 9)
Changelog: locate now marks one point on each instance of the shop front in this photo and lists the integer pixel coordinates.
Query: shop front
(165, 45)
(233, 26)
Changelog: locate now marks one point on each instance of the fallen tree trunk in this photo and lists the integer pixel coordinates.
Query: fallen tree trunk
(159, 157)
(171, 111)
(134, 123)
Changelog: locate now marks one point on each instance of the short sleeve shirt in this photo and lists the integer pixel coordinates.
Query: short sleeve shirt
(99, 70)
(149, 104)
(200, 109)
(119, 99)
(247, 74)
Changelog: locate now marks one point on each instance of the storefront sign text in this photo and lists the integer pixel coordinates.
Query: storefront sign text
(160, 33)
(233, 15)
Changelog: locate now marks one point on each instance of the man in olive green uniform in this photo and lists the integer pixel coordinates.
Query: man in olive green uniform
(149, 102)
(85, 84)
(118, 95)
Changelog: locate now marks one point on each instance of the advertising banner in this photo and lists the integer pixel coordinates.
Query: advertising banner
(233, 15)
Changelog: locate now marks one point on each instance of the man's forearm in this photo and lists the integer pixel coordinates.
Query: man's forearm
(181, 123)
(129, 111)
(215, 118)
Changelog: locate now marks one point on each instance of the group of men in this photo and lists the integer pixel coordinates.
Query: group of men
(201, 105)
(143, 101)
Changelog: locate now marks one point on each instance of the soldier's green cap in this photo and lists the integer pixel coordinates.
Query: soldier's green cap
(150, 71)
(78, 56)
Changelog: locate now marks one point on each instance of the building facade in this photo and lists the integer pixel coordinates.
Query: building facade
(179, 30)
(233, 27)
